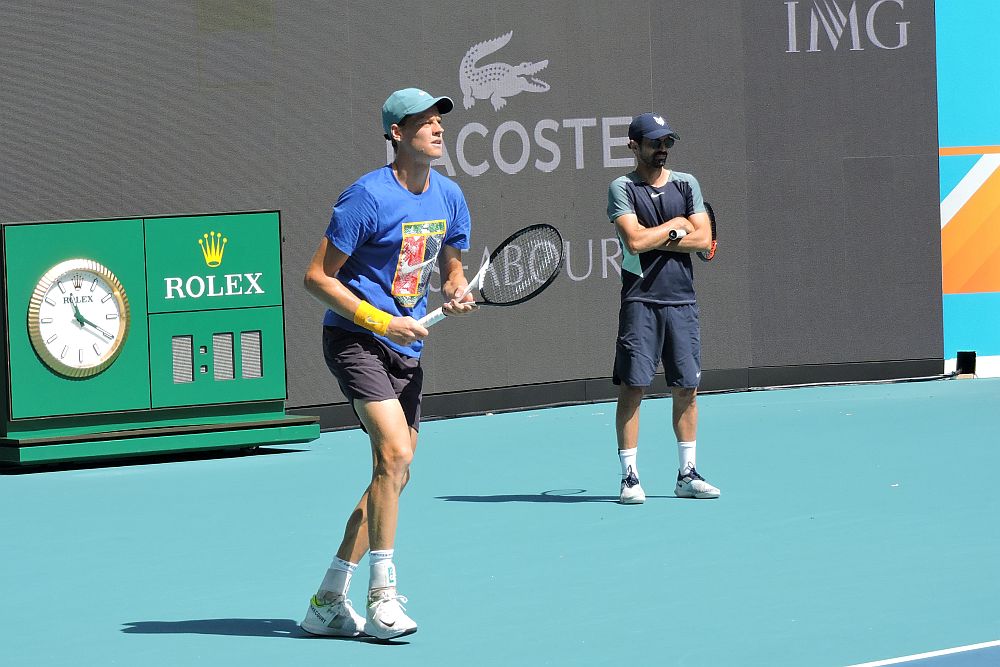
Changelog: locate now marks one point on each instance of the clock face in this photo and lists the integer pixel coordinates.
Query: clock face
(78, 318)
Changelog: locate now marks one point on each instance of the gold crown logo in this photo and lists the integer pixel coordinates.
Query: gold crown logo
(212, 248)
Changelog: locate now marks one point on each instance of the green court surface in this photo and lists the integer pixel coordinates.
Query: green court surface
(857, 524)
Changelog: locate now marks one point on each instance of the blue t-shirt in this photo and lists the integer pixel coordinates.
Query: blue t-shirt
(392, 238)
(656, 276)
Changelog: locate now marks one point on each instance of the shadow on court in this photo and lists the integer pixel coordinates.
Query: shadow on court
(554, 496)
(233, 627)
(284, 628)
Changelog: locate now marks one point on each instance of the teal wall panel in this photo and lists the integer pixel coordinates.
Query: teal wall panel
(213, 262)
(30, 251)
(204, 369)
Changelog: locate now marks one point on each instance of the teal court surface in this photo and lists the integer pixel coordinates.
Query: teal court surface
(858, 525)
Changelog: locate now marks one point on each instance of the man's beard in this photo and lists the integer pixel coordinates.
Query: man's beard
(655, 160)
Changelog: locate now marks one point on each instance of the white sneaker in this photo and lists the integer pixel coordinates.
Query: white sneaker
(692, 485)
(334, 618)
(386, 615)
(632, 493)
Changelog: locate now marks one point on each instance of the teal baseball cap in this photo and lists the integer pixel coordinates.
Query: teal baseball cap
(407, 101)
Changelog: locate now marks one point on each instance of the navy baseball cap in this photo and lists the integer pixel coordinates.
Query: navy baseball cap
(650, 126)
(407, 101)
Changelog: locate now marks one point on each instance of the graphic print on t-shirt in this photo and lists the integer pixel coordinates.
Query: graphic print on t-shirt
(421, 244)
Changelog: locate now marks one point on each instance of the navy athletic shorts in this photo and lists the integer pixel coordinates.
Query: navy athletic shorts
(369, 370)
(649, 333)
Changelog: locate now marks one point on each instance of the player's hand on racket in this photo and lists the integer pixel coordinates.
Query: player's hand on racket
(405, 330)
(461, 302)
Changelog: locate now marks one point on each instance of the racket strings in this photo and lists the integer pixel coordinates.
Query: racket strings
(523, 266)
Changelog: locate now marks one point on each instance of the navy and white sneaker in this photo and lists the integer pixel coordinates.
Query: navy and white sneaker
(692, 485)
(632, 493)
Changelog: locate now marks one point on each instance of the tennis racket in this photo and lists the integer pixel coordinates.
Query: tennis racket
(708, 256)
(520, 268)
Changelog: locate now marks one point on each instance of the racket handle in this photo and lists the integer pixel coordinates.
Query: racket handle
(677, 234)
(430, 319)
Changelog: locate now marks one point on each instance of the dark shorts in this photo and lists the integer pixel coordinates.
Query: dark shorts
(366, 369)
(649, 333)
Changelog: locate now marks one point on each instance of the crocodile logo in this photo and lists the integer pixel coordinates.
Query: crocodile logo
(497, 81)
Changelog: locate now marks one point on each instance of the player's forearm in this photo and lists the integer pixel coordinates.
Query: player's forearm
(644, 239)
(454, 274)
(698, 240)
(332, 293)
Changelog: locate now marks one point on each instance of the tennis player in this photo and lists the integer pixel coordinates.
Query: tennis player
(658, 318)
(371, 270)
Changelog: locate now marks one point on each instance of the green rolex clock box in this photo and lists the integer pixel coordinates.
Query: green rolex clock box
(144, 335)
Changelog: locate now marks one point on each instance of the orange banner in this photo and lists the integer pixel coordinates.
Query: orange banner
(968, 150)
(970, 243)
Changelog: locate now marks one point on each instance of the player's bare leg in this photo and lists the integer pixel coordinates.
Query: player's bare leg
(685, 413)
(627, 431)
(330, 611)
(393, 445)
(685, 419)
(354, 546)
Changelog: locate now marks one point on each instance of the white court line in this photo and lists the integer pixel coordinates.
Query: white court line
(967, 187)
(986, 367)
(932, 654)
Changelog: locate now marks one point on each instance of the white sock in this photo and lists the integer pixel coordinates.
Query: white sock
(337, 579)
(628, 460)
(383, 572)
(685, 455)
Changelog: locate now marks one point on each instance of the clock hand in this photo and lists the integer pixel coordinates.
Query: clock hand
(107, 335)
(77, 315)
(83, 320)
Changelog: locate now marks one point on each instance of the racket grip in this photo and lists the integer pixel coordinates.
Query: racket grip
(430, 319)
(677, 234)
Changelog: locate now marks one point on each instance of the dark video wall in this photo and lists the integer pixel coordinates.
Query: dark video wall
(810, 126)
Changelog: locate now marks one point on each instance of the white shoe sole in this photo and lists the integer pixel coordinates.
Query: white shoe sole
(324, 631)
(388, 633)
(631, 500)
(698, 496)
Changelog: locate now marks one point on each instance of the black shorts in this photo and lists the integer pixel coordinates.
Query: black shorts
(649, 333)
(369, 370)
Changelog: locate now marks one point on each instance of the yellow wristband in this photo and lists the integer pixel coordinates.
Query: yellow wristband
(371, 318)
